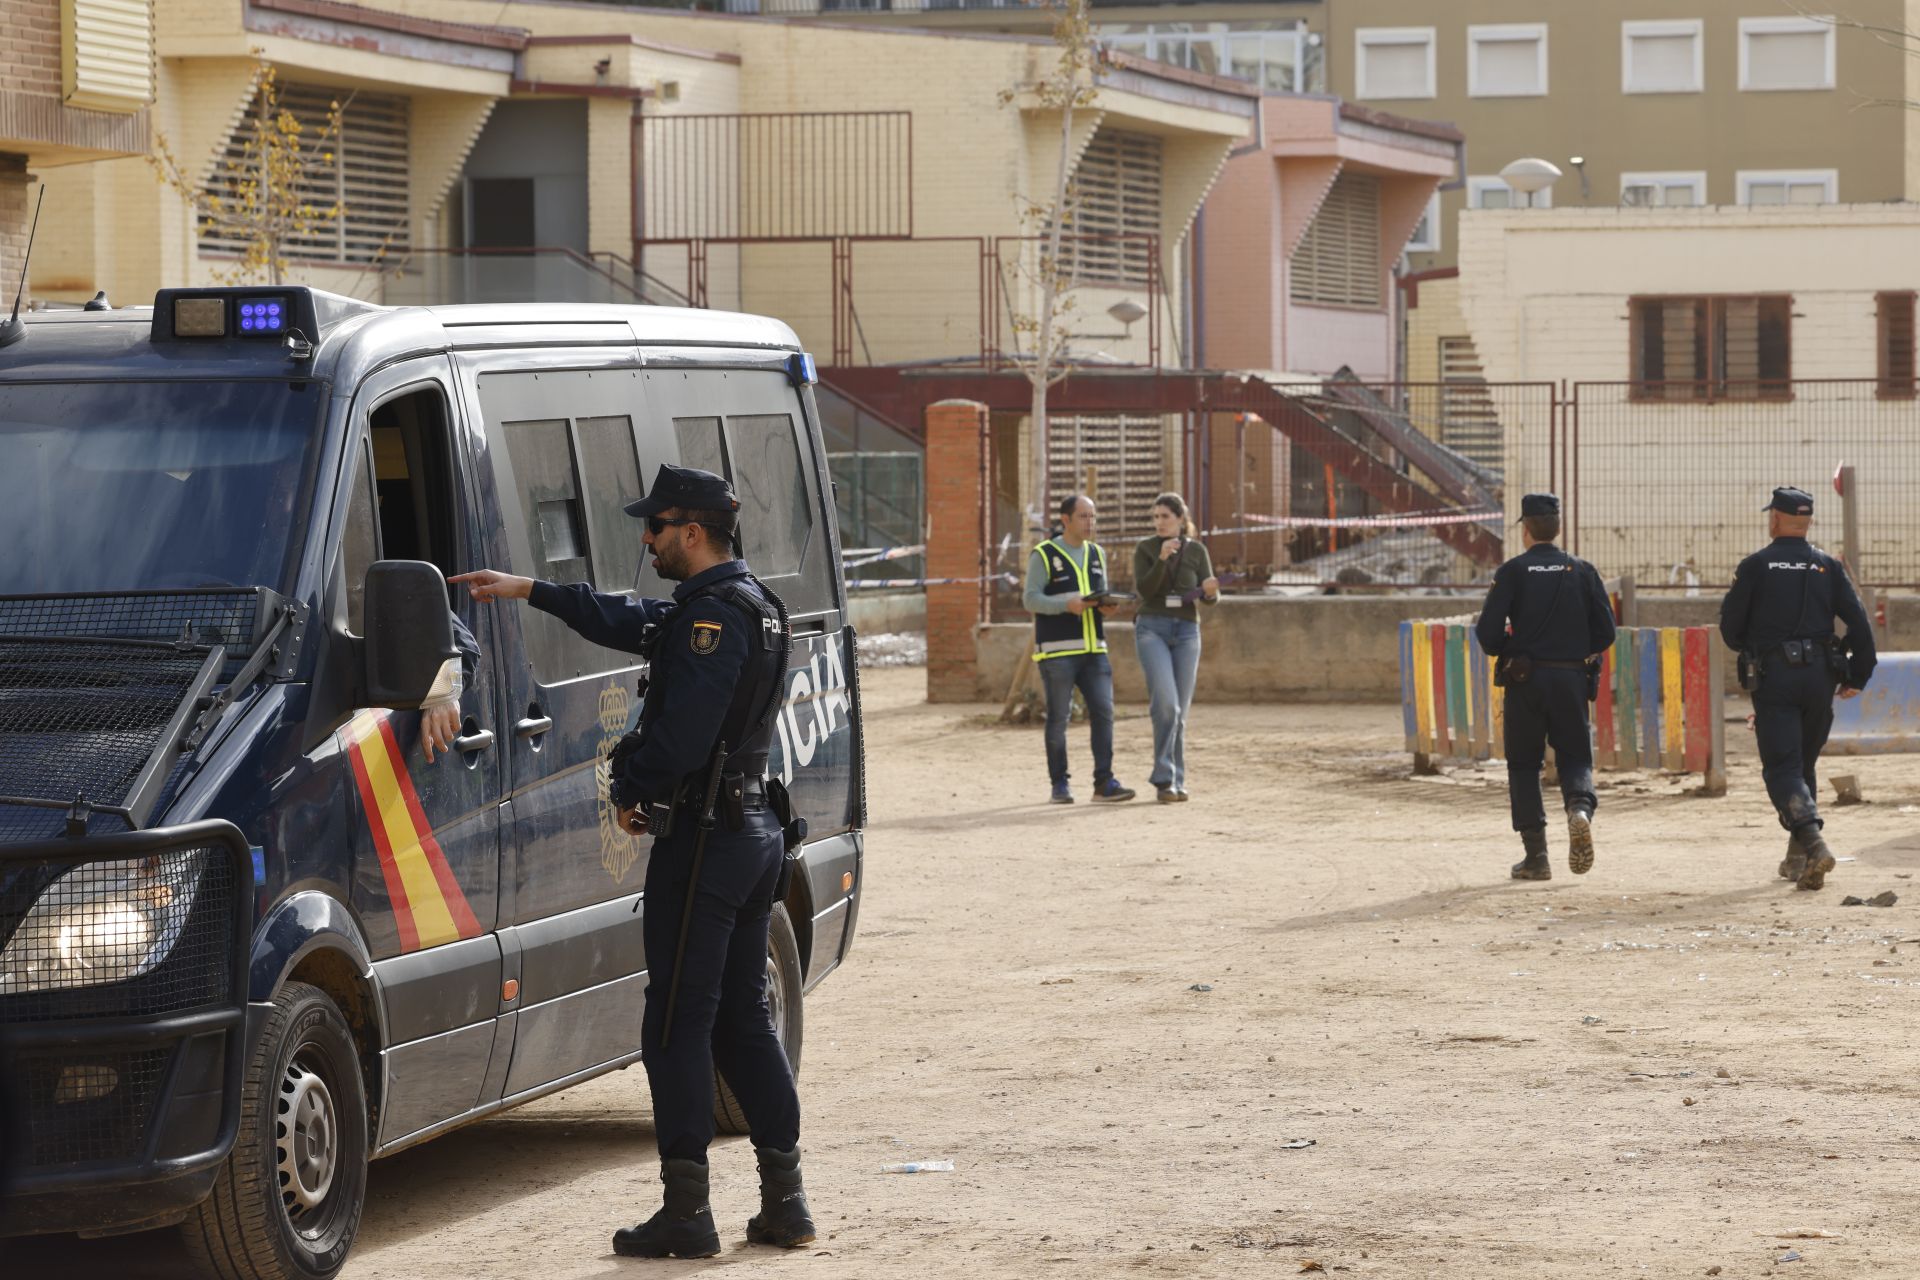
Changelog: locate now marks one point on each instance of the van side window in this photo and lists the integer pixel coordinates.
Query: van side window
(775, 523)
(360, 543)
(549, 498)
(700, 444)
(611, 467)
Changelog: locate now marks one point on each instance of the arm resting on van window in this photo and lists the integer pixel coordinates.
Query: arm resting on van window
(617, 622)
(691, 683)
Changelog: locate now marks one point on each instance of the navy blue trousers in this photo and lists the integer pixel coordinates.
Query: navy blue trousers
(1792, 715)
(1551, 707)
(721, 1016)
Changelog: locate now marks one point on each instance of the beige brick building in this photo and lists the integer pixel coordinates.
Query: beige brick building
(70, 92)
(1709, 355)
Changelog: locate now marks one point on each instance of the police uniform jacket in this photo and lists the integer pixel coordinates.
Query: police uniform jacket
(1792, 590)
(1556, 602)
(706, 651)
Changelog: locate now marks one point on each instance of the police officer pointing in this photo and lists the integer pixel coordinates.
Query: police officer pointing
(1779, 617)
(719, 651)
(1546, 619)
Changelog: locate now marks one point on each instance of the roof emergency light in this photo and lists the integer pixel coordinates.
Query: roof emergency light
(200, 317)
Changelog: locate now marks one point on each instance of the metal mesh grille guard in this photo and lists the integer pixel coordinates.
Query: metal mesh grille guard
(203, 617)
(83, 719)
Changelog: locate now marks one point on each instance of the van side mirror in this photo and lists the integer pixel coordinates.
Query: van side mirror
(409, 632)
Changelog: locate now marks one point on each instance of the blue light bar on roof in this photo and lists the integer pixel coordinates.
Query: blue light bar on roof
(800, 370)
(264, 317)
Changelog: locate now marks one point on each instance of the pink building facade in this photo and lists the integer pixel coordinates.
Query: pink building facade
(1299, 237)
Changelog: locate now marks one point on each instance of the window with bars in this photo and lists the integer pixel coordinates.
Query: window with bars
(1338, 261)
(1896, 345)
(1712, 348)
(368, 175)
(1121, 462)
(1116, 209)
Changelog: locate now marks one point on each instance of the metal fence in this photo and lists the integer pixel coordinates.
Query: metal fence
(1669, 487)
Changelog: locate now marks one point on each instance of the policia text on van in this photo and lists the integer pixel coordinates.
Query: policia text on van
(249, 937)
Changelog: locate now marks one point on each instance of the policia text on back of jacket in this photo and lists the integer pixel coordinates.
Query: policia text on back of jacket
(1779, 617)
(243, 503)
(1546, 618)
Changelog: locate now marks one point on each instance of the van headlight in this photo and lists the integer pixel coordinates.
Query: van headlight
(103, 922)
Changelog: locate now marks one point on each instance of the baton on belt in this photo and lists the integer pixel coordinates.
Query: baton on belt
(693, 884)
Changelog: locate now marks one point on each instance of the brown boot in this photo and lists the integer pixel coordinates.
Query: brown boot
(1819, 859)
(1796, 860)
(1535, 865)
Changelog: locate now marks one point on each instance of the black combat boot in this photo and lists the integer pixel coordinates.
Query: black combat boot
(1819, 859)
(1579, 840)
(683, 1228)
(1535, 866)
(1796, 860)
(783, 1219)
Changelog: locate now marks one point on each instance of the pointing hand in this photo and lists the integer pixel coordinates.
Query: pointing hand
(491, 584)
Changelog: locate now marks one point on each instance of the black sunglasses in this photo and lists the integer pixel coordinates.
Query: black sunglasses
(658, 525)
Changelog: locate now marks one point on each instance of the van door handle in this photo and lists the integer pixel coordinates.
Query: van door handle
(533, 726)
(479, 740)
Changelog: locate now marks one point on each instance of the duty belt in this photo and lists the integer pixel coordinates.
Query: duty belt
(1559, 665)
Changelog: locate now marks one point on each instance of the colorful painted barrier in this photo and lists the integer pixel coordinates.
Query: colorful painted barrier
(1885, 718)
(1660, 703)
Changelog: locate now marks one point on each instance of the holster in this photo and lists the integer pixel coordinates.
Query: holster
(733, 804)
(1512, 669)
(1839, 662)
(1749, 671)
(1592, 673)
(793, 833)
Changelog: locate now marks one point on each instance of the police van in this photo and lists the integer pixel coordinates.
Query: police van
(250, 938)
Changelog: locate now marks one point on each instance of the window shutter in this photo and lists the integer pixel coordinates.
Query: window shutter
(1116, 192)
(1896, 345)
(106, 61)
(1338, 262)
(368, 175)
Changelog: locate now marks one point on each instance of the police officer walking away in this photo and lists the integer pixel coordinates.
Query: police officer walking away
(719, 651)
(1779, 617)
(1546, 620)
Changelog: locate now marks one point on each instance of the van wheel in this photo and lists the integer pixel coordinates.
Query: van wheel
(287, 1203)
(783, 999)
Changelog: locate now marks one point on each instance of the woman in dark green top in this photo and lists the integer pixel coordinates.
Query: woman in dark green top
(1174, 575)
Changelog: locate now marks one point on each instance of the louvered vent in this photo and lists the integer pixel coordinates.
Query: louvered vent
(1338, 261)
(1116, 194)
(106, 54)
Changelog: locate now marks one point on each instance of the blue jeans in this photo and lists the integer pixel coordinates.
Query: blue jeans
(1094, 675)
(1169, 651)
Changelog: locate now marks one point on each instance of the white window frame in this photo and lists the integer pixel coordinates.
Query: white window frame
(1505, 33)
(1432, 218)
(1542, 199)
(1697, 179)
(1744, 180)
(1368, 36)
(1786, 26)
(1667, 30)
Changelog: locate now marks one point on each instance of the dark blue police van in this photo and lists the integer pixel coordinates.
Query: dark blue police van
(250, 938)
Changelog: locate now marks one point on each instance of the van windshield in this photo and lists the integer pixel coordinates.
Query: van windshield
(123, 486)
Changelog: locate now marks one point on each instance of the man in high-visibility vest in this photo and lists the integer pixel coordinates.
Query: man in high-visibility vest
(1066, 579)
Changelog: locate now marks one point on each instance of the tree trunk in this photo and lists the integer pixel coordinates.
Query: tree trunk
(1050, 278)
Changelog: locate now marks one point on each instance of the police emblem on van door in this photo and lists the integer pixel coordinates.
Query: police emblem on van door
(706, 637)
(619, 849)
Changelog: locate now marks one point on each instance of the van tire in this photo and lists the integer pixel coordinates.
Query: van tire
(783, 994)
(303, 1077)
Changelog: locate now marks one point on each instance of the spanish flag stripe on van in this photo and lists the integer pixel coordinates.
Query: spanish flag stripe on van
(429, 909)
(396, 889)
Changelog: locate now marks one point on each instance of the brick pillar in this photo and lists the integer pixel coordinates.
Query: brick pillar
(16, 211)
(957, 538)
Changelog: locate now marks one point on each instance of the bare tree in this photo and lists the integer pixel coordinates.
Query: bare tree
(1067, 88)
(261, 193)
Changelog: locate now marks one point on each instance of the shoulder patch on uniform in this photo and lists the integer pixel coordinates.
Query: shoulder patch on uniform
(705, 637)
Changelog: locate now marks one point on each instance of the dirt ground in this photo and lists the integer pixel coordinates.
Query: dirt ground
(1114, 1020)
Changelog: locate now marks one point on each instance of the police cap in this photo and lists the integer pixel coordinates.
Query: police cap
(1539, 504)
(687, 488)
(1791, 501)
